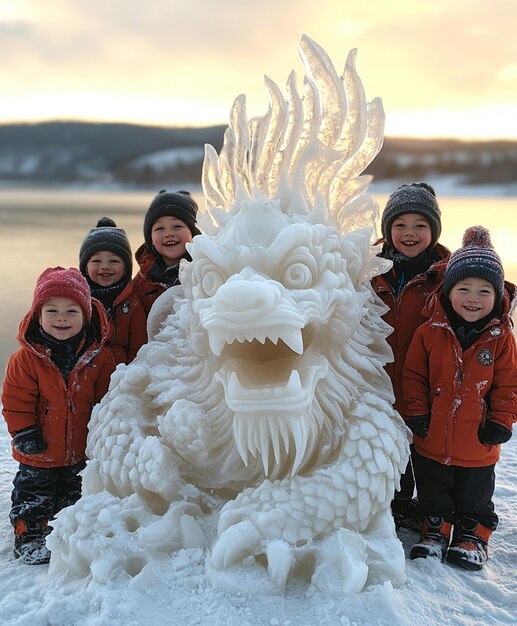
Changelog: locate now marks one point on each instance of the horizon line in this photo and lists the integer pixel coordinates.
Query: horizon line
(57, 120)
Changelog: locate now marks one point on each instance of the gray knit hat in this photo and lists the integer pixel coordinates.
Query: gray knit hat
(476, 259)
(414, 198)
(178, 204)
(106, 236)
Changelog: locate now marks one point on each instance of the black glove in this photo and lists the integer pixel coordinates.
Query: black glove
(29, 441)
(418, 425)
(493, 433)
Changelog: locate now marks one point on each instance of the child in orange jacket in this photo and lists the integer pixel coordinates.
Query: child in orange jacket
(106, 261)
(169, 224)
(460, 392)
(411, 227)
(51, 383)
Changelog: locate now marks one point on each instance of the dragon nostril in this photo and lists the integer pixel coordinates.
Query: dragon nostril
(259, 303)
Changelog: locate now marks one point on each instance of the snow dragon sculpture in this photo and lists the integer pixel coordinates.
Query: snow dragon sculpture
(258, 420)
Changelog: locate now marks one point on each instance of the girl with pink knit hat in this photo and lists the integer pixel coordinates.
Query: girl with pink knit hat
(60, 372)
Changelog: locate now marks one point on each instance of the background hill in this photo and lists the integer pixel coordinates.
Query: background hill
(141, 156)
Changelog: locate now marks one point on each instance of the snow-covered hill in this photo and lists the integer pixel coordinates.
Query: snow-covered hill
(132, 155)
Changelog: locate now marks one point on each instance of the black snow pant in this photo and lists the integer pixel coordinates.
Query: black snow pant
(407, 479)
(41, 492)
(454, 492)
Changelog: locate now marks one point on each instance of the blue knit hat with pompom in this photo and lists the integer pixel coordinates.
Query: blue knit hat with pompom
(475, 259)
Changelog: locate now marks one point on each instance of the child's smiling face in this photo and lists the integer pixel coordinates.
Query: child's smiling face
(61, 318)
(472, 298)
(169, 236)
(411, 234)
(105, 268)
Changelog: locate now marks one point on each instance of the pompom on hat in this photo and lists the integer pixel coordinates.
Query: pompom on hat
(475, 259)
(58, 282)
(417, 198)
(106, 236)
(178, 204)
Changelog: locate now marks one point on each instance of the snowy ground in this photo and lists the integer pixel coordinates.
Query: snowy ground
(177, 592)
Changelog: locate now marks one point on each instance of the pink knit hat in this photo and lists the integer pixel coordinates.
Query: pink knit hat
(58, 282)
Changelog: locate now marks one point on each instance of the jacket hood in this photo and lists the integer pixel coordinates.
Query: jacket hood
(511, 290)
(434, 310)
(145, 258)
(99, 325)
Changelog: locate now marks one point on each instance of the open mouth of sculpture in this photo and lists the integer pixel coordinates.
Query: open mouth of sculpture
(266, 375)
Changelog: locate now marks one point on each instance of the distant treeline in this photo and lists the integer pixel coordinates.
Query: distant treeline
(129, 154)
(475, 162)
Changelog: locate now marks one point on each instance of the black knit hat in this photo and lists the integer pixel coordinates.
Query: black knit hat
(476, 259)
(178, 204)
(106, 236)
(414, 198)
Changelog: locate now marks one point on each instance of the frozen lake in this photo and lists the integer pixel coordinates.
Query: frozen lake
(45, 227)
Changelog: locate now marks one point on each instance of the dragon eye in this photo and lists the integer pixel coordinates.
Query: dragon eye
(211, 280)
(300, 273)
(207, 278)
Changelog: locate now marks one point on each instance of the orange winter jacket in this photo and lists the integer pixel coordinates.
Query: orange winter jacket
(405, 314)
(459, 389)
(35, 393)
(147, 289)
(128, 331)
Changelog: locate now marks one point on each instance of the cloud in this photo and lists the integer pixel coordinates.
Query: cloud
(200, 55)
(453, 54)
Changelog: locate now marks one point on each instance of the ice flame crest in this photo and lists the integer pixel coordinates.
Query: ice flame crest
(307, 151)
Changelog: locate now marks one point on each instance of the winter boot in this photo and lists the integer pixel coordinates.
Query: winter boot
(434, 540)
(469, 547)
(29, 542)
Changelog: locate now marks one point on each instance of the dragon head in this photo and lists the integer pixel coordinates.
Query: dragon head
(280, 282)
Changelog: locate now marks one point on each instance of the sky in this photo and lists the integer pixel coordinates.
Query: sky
(445, 68)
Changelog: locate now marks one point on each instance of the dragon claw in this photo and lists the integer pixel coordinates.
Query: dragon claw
(235, 544)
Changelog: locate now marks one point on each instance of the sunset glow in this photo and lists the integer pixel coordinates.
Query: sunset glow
(445, 69)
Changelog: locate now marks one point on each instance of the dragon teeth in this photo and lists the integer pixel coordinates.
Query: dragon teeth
(294, 384)
(292, 337)
(292, 388)
(217, 342)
